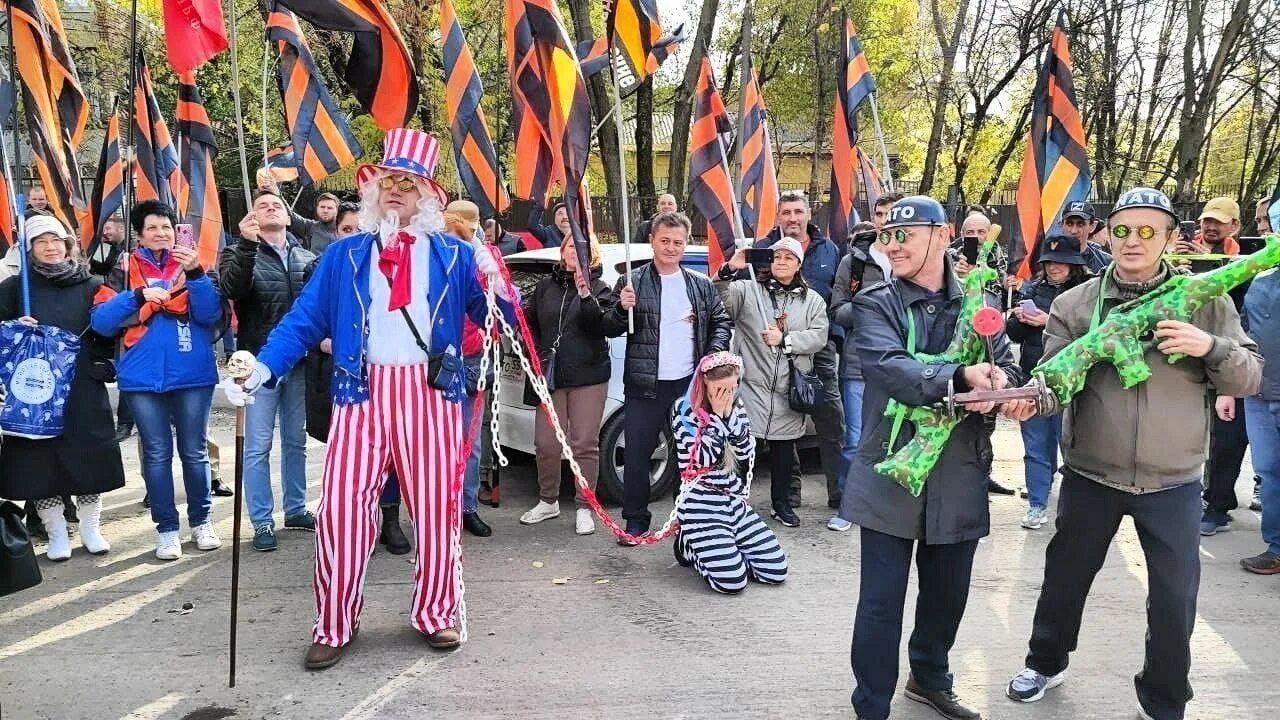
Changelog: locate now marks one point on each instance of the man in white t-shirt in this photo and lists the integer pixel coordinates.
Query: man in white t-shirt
(678, 319)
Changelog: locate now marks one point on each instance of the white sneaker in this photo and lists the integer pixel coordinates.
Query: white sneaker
(55, 524)
(1035, 518)
(168, 545)
(583, 522)
(205, 538)
(838, 524)
(91, 528)
(542, 511)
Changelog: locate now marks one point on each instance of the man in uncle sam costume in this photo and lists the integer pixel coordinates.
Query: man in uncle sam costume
(393, 299)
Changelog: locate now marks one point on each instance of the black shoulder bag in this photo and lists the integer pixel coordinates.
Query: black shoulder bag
(18, 567)
(443, 369)
(806, 390)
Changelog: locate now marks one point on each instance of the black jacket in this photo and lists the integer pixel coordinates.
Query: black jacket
(711, 331)
(559, 319)
(1042, 293)
(254, 277)
(953, 506)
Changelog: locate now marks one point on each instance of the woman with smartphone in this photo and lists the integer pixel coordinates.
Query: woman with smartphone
(780, 323)
(1061, 268)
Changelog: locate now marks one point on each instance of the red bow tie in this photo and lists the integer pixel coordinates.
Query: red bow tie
(396, 262)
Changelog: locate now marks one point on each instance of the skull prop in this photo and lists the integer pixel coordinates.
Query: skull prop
(240, 365)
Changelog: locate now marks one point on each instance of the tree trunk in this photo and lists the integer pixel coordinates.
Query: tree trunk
(601, 103)
(820, 100)
(645, 188)
(683, 112)
(948, 44)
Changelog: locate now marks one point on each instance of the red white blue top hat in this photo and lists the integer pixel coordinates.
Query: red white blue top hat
(407, 151)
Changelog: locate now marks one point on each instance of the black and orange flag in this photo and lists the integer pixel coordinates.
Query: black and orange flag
(322, 142)
(57, 111)
(379, 69)
(872, 184)
(552, 116)
(281, 166)
(638, 42)
(155, 157)
(710, 188)
(854, 85)
(108, 189)
(194, 184)
(473, 151)
(758, 181)
(1055, 170)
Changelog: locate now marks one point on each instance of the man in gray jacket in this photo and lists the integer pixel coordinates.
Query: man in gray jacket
(1136, 452)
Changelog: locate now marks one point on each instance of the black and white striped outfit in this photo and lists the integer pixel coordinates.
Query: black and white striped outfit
(724, 539)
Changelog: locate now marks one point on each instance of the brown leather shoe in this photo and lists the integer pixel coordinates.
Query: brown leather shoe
(321, 656)
(444, 639)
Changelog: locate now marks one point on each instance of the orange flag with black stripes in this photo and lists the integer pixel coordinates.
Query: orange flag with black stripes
(710, 188)
(155, 157)
(194, 184)
(379, 68)
(758, 181)
(1055, 170)
(108, 189)
(636, 36)
(322, 142)
(853, 86)
(473, 151)
(57, 111)
(552, 116)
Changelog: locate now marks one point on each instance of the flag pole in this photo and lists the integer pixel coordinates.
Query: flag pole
(625, 210)
(132, 149)
(235, 96)
(266, 70)
(13, 84)
(12, 198)
(884, 150)
(748, 23)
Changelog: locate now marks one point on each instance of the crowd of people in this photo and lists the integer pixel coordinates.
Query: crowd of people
(364, 328)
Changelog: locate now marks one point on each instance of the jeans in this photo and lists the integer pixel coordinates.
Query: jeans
(470, 482)
(644, 423)
(288, 402)
(1227, 443)
(851, 391)
(159, 416)
(943, 573)
(1263, 420)
(1168, 525)
(124, 417)
(1040, 438)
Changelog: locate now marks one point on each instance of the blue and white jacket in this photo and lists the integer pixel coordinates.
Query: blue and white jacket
(334, 304)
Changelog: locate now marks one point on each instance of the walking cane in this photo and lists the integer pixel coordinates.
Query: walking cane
(238, 368)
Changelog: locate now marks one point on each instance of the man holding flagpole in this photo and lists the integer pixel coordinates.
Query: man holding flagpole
(393, 300)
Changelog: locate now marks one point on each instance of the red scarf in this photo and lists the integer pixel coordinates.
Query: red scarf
(396, 263)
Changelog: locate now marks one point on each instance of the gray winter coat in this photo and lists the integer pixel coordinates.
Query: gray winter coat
(841, 310)
(766, 376)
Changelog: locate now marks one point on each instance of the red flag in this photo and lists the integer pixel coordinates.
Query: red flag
(193, 32)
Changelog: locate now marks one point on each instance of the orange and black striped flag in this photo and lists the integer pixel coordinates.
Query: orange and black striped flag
(758, 182)
(281, 166)
(872, 184)
(57, 111)
(710, 187)
(8, 231)
(552, 116)
(194, 184)
(473, 151)
(636, 37)
(1055, 170)
(854, 85)
(155, 157)
(379, 70)
(322, 142)
(108, 189)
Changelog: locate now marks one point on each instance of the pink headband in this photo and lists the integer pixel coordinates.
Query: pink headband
(719, 359)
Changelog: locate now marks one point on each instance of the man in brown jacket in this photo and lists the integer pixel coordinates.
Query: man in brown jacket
(1136, 452)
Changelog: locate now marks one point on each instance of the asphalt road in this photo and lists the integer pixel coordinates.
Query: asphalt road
(626, 634)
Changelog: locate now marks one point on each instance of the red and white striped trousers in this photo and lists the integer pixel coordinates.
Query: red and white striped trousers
(408, 425)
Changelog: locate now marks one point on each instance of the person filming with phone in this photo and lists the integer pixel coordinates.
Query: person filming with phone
(262, 273)
(1061, 268)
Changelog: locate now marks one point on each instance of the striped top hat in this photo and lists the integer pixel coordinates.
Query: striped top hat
(407, 151)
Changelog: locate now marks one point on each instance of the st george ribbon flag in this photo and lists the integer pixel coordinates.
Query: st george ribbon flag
(710, 187)
(379, 68)
(1055, 170)
(473, 151)
(854, 85)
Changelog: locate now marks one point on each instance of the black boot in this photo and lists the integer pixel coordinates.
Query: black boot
(474, 525)
(677, 547)
(392, 536)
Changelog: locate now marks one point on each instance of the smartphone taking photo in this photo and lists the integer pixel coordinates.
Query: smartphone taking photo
(184, 236)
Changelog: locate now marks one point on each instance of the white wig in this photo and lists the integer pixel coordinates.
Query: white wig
(428, 219)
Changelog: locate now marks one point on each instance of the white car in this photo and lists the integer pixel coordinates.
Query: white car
(516, 419)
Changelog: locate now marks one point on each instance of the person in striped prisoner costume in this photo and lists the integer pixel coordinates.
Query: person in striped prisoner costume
(720, 535)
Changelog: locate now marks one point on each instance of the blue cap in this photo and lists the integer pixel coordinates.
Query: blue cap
(1062, 249)
(916, 210)
(1144, 197)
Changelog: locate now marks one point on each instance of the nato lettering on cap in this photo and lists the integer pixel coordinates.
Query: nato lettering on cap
(1078, 210)
(916, 210)
(1144, 197)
